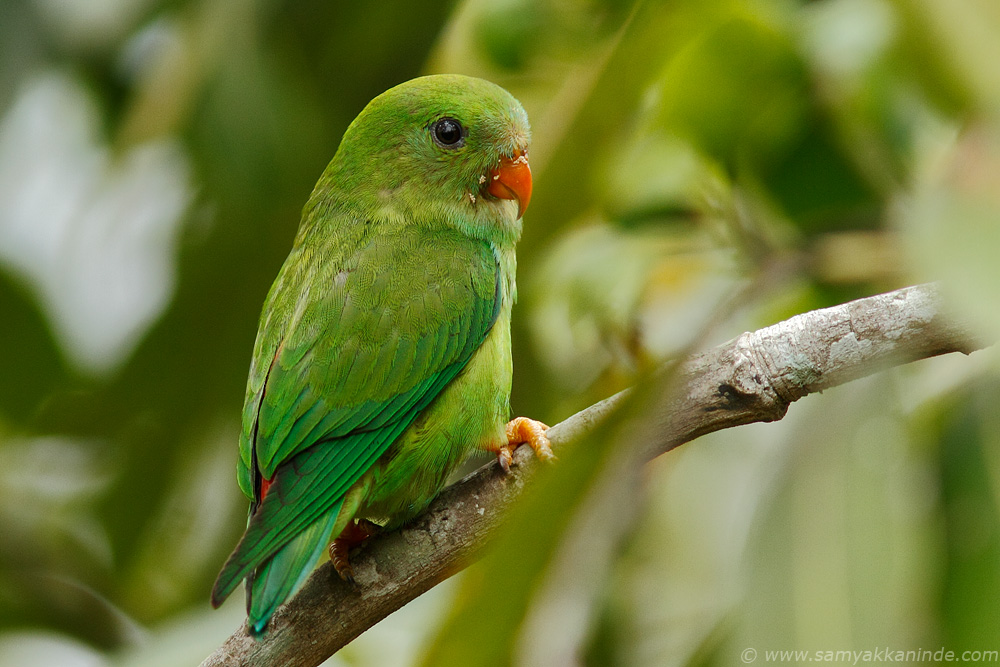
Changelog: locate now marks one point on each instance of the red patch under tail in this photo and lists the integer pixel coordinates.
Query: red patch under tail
(265, 484)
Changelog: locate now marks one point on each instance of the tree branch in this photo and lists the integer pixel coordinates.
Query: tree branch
(752, 378)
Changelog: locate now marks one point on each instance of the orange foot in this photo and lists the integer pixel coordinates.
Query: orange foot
(522, 430)
(353, 534)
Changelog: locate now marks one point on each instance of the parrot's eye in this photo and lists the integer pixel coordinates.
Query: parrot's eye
(448, 132)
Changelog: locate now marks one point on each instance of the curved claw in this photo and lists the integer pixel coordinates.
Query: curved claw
(340, 558)
(340, 548)
(505, 456)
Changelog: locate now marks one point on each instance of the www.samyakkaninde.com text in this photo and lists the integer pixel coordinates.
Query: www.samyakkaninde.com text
(878, 655)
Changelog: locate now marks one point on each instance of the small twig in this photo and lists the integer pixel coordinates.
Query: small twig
(752, 378)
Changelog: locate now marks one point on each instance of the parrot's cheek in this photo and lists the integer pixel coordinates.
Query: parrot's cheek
(512, 180)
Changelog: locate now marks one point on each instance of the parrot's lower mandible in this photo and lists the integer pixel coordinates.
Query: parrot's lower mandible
(383, 354)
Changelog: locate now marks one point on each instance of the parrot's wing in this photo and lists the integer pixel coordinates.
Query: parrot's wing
(366, 345)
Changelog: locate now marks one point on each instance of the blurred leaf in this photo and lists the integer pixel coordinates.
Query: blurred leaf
(21, 48)
(738, 90)
(610, 101)
(618, 301)
(43, 648)
(508, 31)
(950, 223)
(843, 548)
(819, 187)
(178, 554)
(654, 176)
(968, 430)
(56, 552)
(85, 231)
(963, 37)
(32, 360)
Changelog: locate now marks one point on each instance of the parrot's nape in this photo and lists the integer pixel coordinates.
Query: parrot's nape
(383, 354)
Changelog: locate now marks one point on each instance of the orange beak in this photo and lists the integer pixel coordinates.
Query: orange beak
(512, 180)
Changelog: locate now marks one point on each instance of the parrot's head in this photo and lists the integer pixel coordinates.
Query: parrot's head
(439, 150)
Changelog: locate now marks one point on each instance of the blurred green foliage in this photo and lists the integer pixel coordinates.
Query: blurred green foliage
(701, 168)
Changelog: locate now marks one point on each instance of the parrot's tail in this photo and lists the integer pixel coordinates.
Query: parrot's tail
(280, 577)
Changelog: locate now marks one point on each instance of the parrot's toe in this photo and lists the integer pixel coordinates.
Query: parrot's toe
(340, 549)
(522, 430)
(340, 558)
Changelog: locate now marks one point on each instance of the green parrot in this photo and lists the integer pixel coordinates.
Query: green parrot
(383, 354)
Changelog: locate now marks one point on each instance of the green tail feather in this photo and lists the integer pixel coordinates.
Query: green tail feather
(281, 576)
